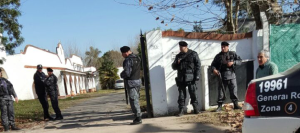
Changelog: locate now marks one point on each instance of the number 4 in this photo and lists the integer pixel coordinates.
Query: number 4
(290, 107)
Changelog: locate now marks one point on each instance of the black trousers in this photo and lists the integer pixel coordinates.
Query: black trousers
(42, 96)
(232, 86)
(54, 101)
(7, 112)
(192, 88)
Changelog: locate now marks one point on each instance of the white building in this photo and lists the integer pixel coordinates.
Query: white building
(73, 77)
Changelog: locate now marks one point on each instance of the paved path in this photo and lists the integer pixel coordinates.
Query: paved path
(109, 114)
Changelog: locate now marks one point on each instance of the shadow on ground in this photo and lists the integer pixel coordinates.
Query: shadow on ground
(111, 112)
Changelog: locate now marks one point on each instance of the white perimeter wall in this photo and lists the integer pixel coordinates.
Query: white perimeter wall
(161, 54)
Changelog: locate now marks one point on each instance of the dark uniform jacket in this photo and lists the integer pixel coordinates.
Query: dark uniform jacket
(220, 63)
(189, 68)
(6, 89)
(39, 79)
(131, 72)
(51, 83)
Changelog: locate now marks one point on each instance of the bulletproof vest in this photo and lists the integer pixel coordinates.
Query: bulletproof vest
(186, 61)
(135, 74)
(225, 58)
(3, 87)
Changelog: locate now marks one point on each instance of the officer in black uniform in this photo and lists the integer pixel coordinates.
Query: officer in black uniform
(52, 90)
(7, 104)
(131, 75)
(224, 64)
(188, 65)
(40, 89)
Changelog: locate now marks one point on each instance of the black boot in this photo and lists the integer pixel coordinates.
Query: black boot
(181, 112)
(236, 105)
(48, 117)
(219, 107)
(136, 121)
(13, 127)
(6, 128)
(196, 111)
(59, 117)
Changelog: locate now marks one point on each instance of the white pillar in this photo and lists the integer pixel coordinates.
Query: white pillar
(73, 84)
(157, 73)
(94, 84)
(77, 84)
(204, 90)
(68, 84)
(265, 31)
(257, 46)
(60, 84)
(82, 82)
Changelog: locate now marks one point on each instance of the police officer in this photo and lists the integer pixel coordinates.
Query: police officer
(39, 82)
(131, 74)
(51, 88)
(187, 64)
(7, 104)
(223, 65)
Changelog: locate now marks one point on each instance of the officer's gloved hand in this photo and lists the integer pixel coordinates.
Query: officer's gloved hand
(195, 79)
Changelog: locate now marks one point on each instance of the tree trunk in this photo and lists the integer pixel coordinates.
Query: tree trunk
(237, 8)
(256, 13)
(229, 24)
(262, 6)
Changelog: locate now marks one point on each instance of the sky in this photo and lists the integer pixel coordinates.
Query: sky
(104, 24)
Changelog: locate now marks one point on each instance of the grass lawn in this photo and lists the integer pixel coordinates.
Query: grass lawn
(143, 101)
(31, 110)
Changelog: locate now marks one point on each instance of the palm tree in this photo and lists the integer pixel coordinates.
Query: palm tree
(92, 57)
(108, 74)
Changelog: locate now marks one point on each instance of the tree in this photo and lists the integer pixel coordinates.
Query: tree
(187, 12)
(116, 57)
(197, 27)
(272, 9)
(180, 30)
(9, 25)
(72, 49)
(92, 57)
(108, 72)
(223, 14)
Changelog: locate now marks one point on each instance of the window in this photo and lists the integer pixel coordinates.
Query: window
(119, 81)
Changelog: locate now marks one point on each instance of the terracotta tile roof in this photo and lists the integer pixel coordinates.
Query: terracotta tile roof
(207, 36)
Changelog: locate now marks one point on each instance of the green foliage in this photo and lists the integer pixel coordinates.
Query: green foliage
(244, 30)
(9, 25)
(108, 72)
(197, 27)
(157, 28)
(169, 29)
(180, 30)
(116, 57)
(31, 110)
(92, 57)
